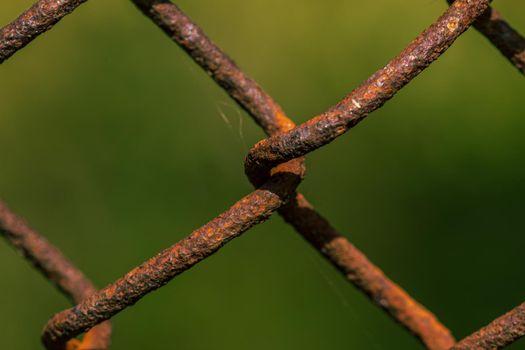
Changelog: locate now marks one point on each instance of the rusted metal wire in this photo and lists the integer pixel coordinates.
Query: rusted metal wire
(159, 270)
(371, 95)
(298, 212)
(274, 165)
(56, 268)
(508, 41)
(501, 332)
(367, 277)
(208, 239)
(246, 92)
(41, 17)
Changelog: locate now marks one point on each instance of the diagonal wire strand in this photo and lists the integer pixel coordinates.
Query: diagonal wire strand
(501, 332)
(159, 270)
(371, 95)
(56, 268)
(299, 213)
(280, 181)
(500, 33)
(279, 188)
(38, 19)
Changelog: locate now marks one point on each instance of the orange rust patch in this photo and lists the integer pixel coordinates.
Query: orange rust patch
(284, 122)
(453, 24)
(73, 344)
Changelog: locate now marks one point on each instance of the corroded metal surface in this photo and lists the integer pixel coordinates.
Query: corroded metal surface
(367, 277)
(501, 34)
(299, 213)
(41, 17)
(216, 63)
(371, 95)
(501, 332)
(274, 166)
(55, 267)
(159, 270)
(429, 46)
(510, 43)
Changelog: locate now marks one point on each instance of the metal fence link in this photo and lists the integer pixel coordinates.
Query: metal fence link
(275, 166)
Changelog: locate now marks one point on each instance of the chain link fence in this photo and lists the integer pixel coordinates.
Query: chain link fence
(275, 166)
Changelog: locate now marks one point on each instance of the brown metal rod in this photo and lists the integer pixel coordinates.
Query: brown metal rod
(367, 277)
(56, 268)
(501, 332)
(190, 37)
(159, 270)
(299, 213)
(506, 39)
(41, 17)
(371, 95)
(171, 262)
(44, 14)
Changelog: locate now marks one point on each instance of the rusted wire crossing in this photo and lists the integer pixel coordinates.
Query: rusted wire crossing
(275, 166)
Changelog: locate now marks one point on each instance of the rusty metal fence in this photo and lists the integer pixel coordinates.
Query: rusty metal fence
(275, 166)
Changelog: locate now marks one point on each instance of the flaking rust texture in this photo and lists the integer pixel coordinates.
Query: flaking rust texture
(501, 34)
(371, 95)
(510, 43)
(43, 15)
(246, 92)
(501, 332)
(159, 270)
(274, 165)
(392, 297)
(356, 267)
(55, 267)
(423, 324)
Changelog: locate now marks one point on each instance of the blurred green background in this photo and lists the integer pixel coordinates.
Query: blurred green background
(112, 144)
